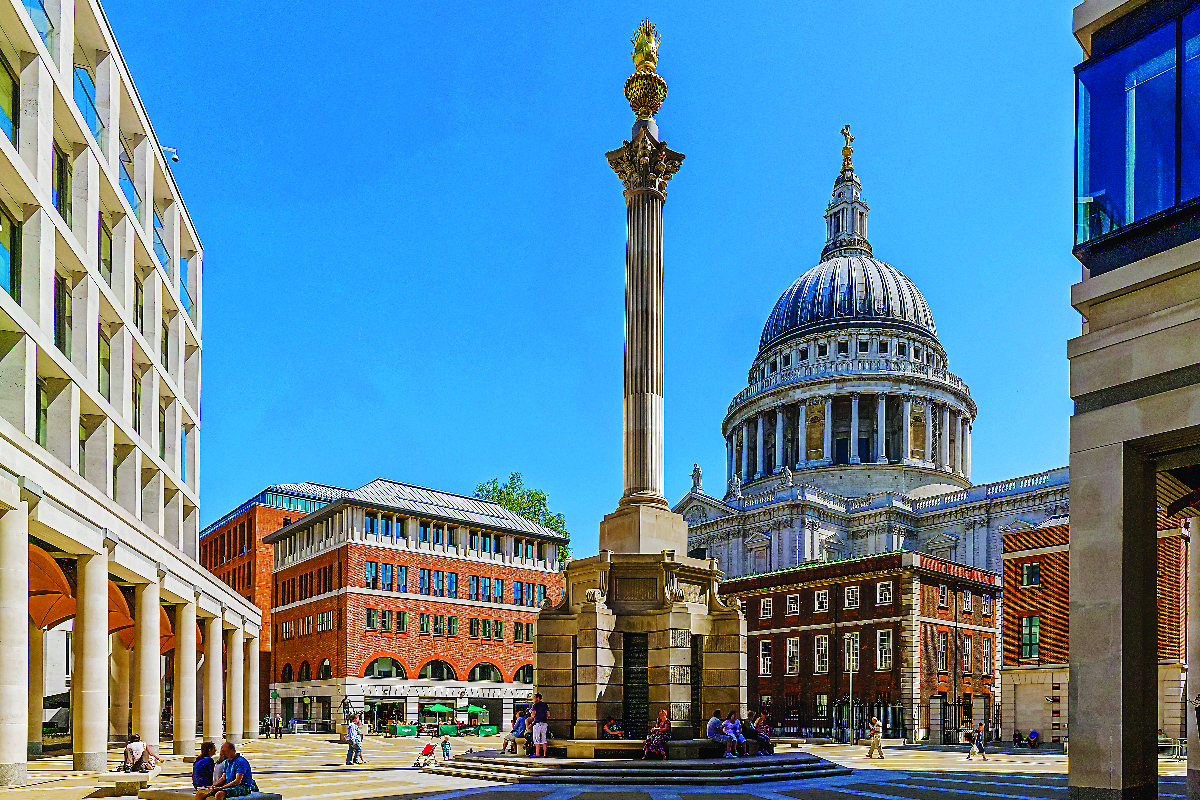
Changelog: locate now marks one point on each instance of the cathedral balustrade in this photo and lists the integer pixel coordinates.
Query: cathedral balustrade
(852, 366)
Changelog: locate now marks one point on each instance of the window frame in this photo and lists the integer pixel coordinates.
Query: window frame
(851, 597)
(764, 658)
(883, 650)
(765, 607)
(881, 589)
(821, 601)
(821, 654)
(793, 605)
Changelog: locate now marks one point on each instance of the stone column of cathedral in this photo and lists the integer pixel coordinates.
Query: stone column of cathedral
(828, 443)
(759, 456)
(854, 459)
(906, 433)
(779, 439)
(881, 428)
(944, 440)
(928, 431)
(745, 471)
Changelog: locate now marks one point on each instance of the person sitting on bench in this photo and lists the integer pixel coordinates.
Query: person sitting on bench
(138, 757)
(1018, 739)
(236, 779)
(1033, 739)
(202, 770)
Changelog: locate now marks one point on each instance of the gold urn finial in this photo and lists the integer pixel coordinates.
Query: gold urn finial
(644, 89)
(848, 150)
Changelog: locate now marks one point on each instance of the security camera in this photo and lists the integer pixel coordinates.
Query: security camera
(171, 150)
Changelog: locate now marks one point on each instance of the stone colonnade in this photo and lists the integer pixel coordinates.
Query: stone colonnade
(136, 670)
(950, 453)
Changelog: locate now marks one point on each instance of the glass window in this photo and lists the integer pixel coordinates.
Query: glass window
(10, 256)
(62, 314)
(401, 578)
(821, 600)
(385, 622)
(764, 657)
(968, 641)
(402, 621)
(518, 596)
(452, 584)
(438, 671)
(1190, 109)
(473, 587)
(473, 628)
(424, 581)
(439, 583)
(423, 529)
(822, 350)
(941, 651)
(41, 429)
(541, 594)
(386, 574)
(424, 622)
(62, 186)
(793, 655)
(821, 652)
(499, 590)
(10, 101)
(851, 597)
(1125, 137)
(943, 595)
(439, 625)
(451, 626)
(524, 674)
(487, 629)
(967, 599)
(137, 404)
(883, 650)
(105, 355)
(139, 304)
(372, 618)
(793, 604)
(487, 590)
(821, 706)
(850, 656)
(370, 574)
(498, 629)
(1031, 573)
(1029, 636)
(883, 593)
(518, 629)
(764, 608)
(985, 666)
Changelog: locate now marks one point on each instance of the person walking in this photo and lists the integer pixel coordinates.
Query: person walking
(541, 726)
(354, 742)
(875, 737)
(977, 738)
(278, 725)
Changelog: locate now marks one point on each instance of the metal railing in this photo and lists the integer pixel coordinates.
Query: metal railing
(85, 98)
(41, 22)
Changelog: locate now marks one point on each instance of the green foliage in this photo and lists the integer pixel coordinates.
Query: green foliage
(529, 503)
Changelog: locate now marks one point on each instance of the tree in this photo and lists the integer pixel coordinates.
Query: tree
(529, 503)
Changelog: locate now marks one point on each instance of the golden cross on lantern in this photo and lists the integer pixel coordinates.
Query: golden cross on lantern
(846, 133)
(848, 150)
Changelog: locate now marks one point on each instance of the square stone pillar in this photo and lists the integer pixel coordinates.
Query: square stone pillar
(1113, 691)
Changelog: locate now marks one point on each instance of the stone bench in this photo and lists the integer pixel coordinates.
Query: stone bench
(799, 742)
(677, 749)
(128, 782)
(190, 794)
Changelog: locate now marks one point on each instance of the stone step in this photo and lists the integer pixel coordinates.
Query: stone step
(722, 765)
(666, 777)
(673, 768)
(708, 772)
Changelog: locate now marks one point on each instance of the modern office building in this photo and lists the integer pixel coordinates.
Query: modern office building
(394, 597)
(1135, 373)
(908, 637)
(101, 312)
(232, 548)
(1035, 667)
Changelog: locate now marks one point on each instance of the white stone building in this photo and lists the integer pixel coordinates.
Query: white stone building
(852, 436)
(100, 319)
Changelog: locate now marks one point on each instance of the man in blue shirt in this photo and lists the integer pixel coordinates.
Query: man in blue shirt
(515, 735)
(202, 770)
(236, 780)
(354, 738)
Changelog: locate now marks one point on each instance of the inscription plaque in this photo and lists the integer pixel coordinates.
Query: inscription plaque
(636, 660)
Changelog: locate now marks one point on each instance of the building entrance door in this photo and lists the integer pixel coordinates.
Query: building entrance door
(841, 450)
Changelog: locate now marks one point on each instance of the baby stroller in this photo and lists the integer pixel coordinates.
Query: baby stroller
(426, 758)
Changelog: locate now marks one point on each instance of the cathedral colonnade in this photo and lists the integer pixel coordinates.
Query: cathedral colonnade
(821, 429)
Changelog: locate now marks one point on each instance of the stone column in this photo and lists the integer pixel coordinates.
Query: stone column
(118, 705)
(644, 166)
(958, 442)
(906, 434)
(1113, 691)
(1193, 657)
(212, 680)
(745, 476)
(881, 428)
(89, 682)
(730, 458)
(944, 441)
(828, 443)
(14, 644)
(760, 455)
(928, 432)
(36, 688)
(779, 439)
(250, 692)
(147, 681)
(184, 708)
(854, 459)
(234, 689)
(967, 448)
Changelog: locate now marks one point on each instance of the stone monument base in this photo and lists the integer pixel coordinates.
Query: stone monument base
(637, 633)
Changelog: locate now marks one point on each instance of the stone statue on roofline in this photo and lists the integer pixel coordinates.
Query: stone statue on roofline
(697, 478)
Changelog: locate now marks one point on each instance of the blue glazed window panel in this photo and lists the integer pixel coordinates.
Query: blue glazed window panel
(1126, 136)
(1190, 109)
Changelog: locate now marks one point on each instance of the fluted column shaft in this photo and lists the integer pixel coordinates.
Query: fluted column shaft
(944, 442)
(854, 459)
(928, 431)
(730, 457)
(89, 683)
(147, 681)
(212, 680)
(745, 471)
(234, 701)
(828, 442)
(644, 471)
(967, 449)
(906, 434)
(779, 439)
(184, 708)
(881, 428)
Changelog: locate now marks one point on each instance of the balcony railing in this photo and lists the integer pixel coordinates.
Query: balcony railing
(85, 98)
(160, 251)
(41, 23)
(186, 300)
(128, 187)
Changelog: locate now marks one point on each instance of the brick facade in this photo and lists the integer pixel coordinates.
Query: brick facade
(893, 601)
(1037, 586)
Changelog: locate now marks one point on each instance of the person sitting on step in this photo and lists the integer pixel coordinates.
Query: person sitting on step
(613, 729)
(513, 736)
(202, 770)
(138, 757)
(716, 732)
(235, 780)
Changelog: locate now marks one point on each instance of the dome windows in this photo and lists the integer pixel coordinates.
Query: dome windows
(864, 345)
(901, 349)
(883, 346)
(822, 350)
(804, 354)
(843, 347)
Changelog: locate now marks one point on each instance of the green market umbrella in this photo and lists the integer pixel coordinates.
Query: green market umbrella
(439, 709)
(475, 709)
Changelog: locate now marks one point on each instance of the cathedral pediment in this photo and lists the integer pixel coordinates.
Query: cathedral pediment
(941, 543)
(757, 541)
(698, 508)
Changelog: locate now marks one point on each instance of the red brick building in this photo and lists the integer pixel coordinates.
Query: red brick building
(1036, 660)
(914, 634)
(393, 597)
(232, 549)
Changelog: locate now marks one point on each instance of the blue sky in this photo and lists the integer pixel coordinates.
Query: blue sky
(414, 248)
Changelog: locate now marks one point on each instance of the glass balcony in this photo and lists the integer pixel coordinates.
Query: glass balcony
(1130, 164)
(41, 22)
(160, 251)
(186, 300)
(85, 98)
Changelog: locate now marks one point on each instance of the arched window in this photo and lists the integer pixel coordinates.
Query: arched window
(326, 671)
(384, 667)
(524, 674)
(438, 671)
(285, 675)
(485, 672)
(305, 672)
